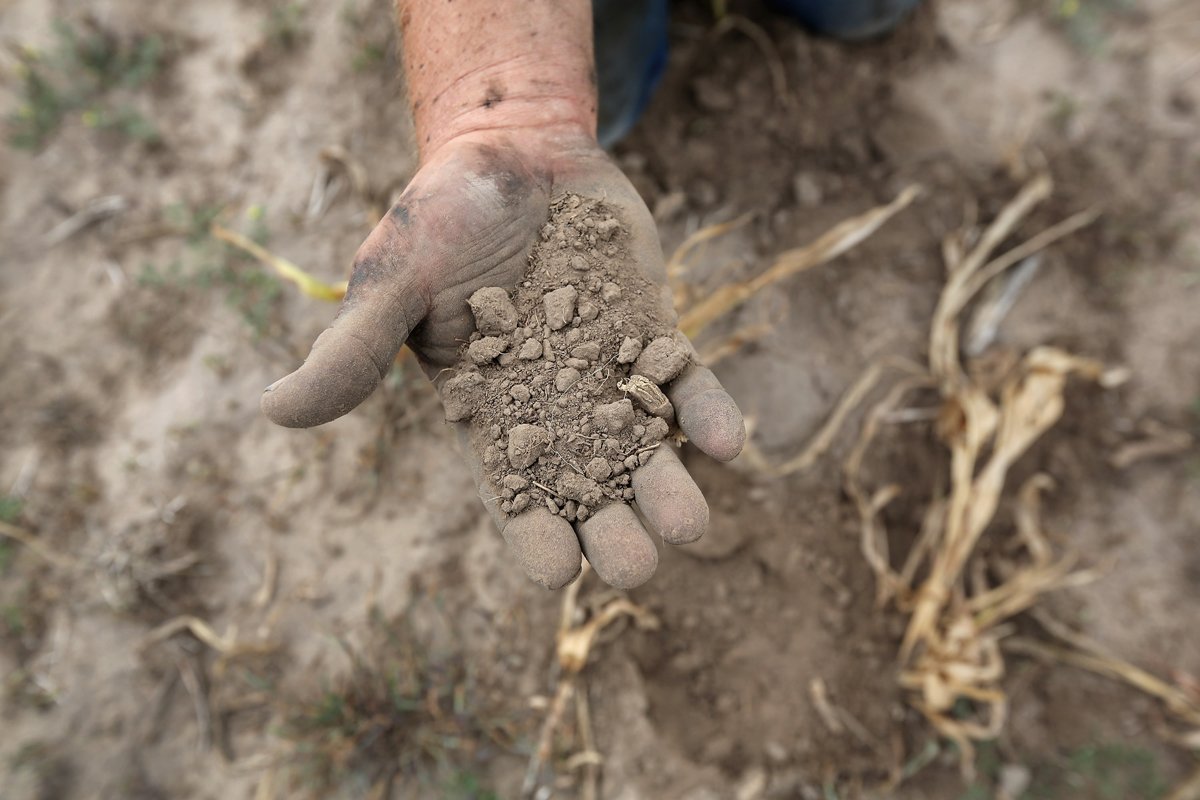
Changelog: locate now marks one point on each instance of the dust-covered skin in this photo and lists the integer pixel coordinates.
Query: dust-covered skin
(469, 220)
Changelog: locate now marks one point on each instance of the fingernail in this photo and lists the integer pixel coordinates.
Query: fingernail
(273, 385)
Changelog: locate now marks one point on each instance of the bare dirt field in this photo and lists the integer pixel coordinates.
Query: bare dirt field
(197, 604)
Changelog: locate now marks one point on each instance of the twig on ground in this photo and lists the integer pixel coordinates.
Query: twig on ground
(101, 208)
(827, 433)
(270, 571)
(820, 699)
(763, 42)
(285, 269)
(575, 640)
(1159, 441)
(587, 757)
(194, 684)
(830, 245)
(227, 645)
(719, 351)
(36, 546)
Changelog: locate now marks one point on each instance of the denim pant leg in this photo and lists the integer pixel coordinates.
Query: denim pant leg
(631, 53)
(631, 46)
(849, 20)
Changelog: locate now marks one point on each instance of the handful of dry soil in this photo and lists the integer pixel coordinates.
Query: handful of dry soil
(561, 381)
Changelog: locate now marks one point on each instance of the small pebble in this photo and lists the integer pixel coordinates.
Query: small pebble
(560, 306)
(598, 469)
(526, 443)
(514, 481)
(656, 429)
(485, 350)
(566, 378)
(606, 228)
(661, 360)
(462, 395)
(630, 349)
(530, 351)
(588, 351)
(613, 417)
(493, 311)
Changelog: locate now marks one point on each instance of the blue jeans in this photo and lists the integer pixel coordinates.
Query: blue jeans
(631, 45)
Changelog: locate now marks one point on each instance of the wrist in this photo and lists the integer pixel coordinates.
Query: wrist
(538, 105)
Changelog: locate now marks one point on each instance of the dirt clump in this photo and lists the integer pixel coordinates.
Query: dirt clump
(546, 381)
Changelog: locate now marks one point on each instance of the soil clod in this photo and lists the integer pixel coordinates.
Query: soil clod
(662, 360)
(547, 380)
(560, 307)
(494, 311)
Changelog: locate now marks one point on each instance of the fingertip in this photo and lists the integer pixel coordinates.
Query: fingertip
(336, 377)
(618, 547)
(545, 546)
(714, 423)
(669, 499)
(707, 414)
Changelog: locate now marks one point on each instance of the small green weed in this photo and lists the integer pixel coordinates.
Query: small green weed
(1106, 771)
(213, 265)
(13, 619)
(465, 785)
(369, 41)
(10, 512)
(1086, 22)
(79, 74)
(52, 773)
(285, 28)
(10, 508)
(408, 714)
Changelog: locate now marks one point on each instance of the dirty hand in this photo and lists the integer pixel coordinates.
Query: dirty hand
(498, 142)
(468, 220)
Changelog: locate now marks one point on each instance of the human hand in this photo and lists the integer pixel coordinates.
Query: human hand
(469, 220)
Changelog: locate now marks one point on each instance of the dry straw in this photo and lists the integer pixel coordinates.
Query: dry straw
(951, 659)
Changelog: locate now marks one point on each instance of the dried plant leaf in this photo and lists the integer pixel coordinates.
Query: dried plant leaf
(283, 268)
(832, 244)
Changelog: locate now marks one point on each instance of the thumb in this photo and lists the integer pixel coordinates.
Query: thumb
(351, 356)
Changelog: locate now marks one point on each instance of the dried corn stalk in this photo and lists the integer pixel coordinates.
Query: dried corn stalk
(950, 656)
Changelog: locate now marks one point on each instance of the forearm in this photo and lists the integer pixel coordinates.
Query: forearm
(474, 65)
